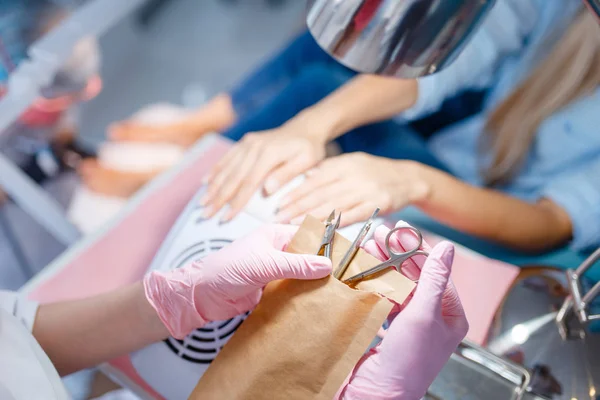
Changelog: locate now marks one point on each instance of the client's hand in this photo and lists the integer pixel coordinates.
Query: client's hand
(215, 116)
(266, 160)
(421, 337)
(229, 282)
(112, 182)
(355, 184)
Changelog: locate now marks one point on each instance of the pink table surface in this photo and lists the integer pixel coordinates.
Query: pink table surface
(122, 253)
(482, 284)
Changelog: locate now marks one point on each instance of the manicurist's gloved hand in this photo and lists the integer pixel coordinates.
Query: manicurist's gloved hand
(229, 282)
(420, 338)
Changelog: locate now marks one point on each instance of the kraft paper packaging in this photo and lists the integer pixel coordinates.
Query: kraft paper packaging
(304, 337)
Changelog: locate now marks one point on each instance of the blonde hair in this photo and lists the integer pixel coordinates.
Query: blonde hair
(571, 71)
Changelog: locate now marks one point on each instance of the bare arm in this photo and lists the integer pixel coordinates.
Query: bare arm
(363, 100)
(489, 214)
(84, 333)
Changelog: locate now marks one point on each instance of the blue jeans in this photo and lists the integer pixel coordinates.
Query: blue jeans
(259, 88)
(311, 84)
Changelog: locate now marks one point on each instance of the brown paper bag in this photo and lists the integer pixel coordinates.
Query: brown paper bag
(390, 284)
(304, 337)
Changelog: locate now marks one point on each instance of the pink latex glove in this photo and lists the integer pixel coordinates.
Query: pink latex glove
(421, 337)
(229, 282)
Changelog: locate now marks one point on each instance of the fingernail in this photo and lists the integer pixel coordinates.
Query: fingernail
(205, 180)
(227, 217)
(208, 212)
(282, 218)
(271, 186)
(311, 172)
(204, 200)
(296, 221)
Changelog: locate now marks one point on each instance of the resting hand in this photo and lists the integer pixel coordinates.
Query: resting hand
(180, 134)
(421, 338)
(355, 184)
(229, 282)
(216, 115)
(266, 160)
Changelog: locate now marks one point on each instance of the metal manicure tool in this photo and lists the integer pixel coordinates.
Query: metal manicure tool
(327, 241)
(355, 246)
(395, 258)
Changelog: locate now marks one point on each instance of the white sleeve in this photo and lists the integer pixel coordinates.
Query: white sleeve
(503, 32)
(20, 307)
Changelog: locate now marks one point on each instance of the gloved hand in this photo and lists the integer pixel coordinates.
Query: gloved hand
(229, 282)
(420, 338)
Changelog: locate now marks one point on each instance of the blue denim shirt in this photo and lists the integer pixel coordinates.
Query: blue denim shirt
(564, 162)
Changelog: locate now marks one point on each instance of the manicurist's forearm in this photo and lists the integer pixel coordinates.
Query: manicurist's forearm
(494, 216)
(363, 100)
(83, 333)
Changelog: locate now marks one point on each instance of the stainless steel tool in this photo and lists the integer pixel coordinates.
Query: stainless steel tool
(355, 246)
(395, 258)
(330, 228)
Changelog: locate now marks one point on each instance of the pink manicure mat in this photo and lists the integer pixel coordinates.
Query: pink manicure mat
(481, 283)
(122, 252)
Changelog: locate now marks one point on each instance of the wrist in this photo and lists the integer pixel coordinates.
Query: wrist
(319, 126)
(171, 295)
(424, 178)
(149, 317)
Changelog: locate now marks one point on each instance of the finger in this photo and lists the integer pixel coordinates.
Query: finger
(217, 170)
(295, 266)
(373, 249)
(410, 240)
(225, 161)
(358, 213)
(379, 237)
(318, 179)
(453, 311)
(252, 181)
(237, 180)
(402, 241)
(434, 277)
(87, 165)
(344, 202)
(136, 132)
(319, 197)
(226, 183)
(283, 174)
(342, 196)
(118, 131)
(321, 213)
(282, 235)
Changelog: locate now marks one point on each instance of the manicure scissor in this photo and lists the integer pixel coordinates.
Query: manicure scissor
(395, 258)
(330, 228)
